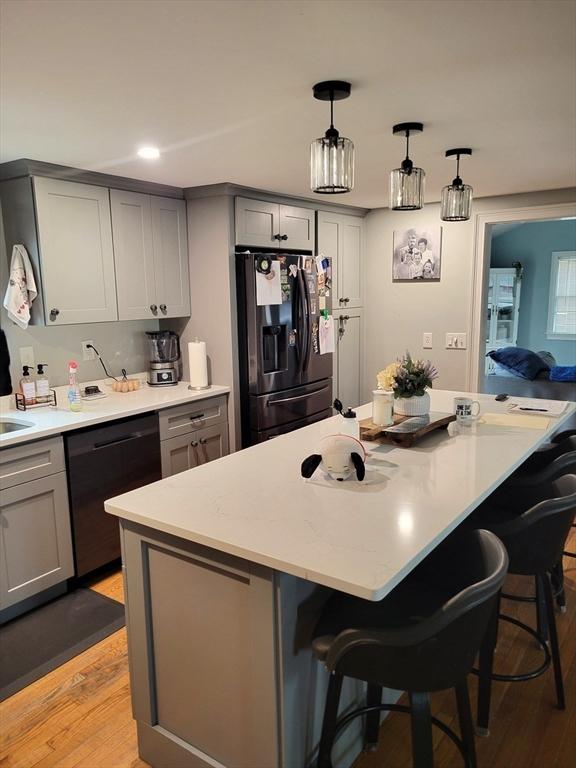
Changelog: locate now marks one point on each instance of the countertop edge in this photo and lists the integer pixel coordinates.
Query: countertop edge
(19, 438)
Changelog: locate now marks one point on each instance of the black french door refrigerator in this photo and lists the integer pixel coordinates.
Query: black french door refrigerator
(286, 381)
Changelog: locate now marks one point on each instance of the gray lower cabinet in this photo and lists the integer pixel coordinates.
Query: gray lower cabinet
(221, 670)
(196, 448)
(202, 642)
(35, 538)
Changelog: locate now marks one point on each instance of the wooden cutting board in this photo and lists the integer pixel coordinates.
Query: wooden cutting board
(373, 433)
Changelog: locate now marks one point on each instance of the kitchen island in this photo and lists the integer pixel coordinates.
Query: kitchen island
(226, 567)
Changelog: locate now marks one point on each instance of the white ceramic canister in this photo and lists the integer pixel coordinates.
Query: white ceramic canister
(382, 408)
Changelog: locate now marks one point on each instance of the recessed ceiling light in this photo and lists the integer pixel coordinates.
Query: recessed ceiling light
(149, 153)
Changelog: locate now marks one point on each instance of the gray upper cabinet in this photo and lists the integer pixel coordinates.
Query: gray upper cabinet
(133, 255)
(297, 227)
(151, 256)
(257, 223)
(76, 253)
(272, 225)
(169, 237)
(341, 238)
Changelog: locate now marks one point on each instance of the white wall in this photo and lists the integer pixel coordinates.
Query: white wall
(121, 344)
(397, 314)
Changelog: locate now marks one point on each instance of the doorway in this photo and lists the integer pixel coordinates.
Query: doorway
(486, 226)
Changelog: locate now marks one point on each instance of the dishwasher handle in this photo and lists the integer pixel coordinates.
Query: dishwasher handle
(116, 440)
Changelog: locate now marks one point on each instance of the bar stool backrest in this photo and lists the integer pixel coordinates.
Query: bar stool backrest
(536, 539)
(438, 651)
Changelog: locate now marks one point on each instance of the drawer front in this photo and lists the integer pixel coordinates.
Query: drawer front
(184, 419)
(31, 461)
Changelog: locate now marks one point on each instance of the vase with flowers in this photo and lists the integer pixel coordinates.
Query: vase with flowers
(409, 380)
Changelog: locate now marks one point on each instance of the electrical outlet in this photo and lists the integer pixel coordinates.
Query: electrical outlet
(456, 341)
(427, 341)
(27, 356)
(87, 352)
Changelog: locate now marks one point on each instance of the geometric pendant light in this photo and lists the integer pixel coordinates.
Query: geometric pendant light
(407, 182)
(332, 155)
(456, 197)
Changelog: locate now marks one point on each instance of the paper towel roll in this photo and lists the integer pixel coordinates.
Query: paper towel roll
(198, 364)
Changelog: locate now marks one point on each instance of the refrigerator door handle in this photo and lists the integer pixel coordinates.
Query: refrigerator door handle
(295, 398)
(308, 322)
(303, 318)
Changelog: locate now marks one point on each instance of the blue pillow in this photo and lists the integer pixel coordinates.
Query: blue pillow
(563, 373)
(520, 362)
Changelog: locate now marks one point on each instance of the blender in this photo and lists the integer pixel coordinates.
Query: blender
(165, 364)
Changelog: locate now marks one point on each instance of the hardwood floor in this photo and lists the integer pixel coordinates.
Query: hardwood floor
(79, 716)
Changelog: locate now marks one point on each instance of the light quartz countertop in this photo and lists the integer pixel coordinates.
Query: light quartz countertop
(47, 421)
(358, 537)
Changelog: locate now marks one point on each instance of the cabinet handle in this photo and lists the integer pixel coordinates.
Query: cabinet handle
(194, 443)
(153, 308)
(196, 416)
(54, 314)
(276, 237)
(163, 308)
(284, 237)
(203, 440)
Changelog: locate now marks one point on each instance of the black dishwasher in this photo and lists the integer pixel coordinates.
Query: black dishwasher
(104, 462)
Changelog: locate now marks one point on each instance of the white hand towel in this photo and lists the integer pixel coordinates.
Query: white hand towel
(21, 290)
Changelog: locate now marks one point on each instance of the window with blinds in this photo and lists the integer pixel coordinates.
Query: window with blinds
(562, 306)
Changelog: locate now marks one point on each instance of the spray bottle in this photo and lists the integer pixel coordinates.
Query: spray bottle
(74, 396)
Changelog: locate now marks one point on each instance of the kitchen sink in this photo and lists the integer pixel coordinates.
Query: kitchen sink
(10, 425)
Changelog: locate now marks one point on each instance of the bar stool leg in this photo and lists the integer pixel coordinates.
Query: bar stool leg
(557, 576)
(421, 723)
(554, 648)
(329, 721)
(541, 610)
(466, 725)
(372, 726)
(486, 662)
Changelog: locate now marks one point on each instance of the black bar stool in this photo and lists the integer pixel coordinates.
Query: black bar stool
(422, 637)
(534, 535)
(528, 486)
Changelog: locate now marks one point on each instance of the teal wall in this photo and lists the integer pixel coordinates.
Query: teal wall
(532, 244)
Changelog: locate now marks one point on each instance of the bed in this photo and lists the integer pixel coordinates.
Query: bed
(540, 387)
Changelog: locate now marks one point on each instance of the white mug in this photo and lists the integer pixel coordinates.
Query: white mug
(464, 410)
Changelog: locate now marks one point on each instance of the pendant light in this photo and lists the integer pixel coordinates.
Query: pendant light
(457, 197)
(332, 155)
(407, 182)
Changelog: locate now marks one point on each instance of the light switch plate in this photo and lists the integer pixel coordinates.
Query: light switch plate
(27, 356)
(456, 341)
(88, 353)
(426, 340)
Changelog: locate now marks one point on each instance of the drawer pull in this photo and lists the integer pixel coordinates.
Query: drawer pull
(197, 416)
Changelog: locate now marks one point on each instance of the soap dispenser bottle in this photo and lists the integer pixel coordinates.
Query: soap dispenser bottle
(27, 386)
(42, 385)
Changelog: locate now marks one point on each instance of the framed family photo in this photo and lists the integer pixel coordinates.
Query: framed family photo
(417, 254)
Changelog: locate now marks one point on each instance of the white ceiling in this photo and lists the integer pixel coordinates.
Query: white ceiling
(224, 88)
